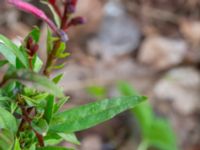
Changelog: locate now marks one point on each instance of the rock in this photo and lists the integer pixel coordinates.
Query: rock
(181, 86)
(92, 142)
(162, 53)
(118, 34)
(191, 31)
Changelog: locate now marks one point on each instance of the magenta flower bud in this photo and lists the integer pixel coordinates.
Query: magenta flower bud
(24, 6)
(77, 21)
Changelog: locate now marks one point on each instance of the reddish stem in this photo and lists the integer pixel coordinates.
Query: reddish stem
(64, 17)
(57, 10)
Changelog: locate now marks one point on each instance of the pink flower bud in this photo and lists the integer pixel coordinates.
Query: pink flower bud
(24, 6)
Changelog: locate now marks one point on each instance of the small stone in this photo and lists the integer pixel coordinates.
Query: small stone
(92, 142)
(161, 53)
(118, 34)
(191, 31)
(181, 86)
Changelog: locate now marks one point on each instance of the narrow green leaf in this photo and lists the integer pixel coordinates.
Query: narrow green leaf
(155, 131)
(39, 81)
(3, 62)
(17, 144)
(61, 49)
(6, 139)
(40, 96)
(161, 135)
(8, 54)
(30, 101)
(37, 63)
(49, 108)
(52, 139)
(41, 126)
(89, 115)
(60, 103)
(57, 78)
(143, 112)
(59, 66)
(7, 121)
(126, 89)
(97, 91)
(63, 55)
(55, 16)
(49, 42)
(69, 137)
(13, 51)
(35, 34)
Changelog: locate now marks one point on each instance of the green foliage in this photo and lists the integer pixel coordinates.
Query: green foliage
(155, 131)
(7, 121)
(11, 52)
(39, 81)
(97, 91)
(86, 116)
(31, 102)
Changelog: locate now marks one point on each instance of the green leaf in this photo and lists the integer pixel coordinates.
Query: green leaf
(40, 96)
(11, 52)
(30, 101)
(6, 139)
(35, 34)
(53, 148)
(8, 54)
(49, 108)
(126, 89)
(69, 137)
(155, 131)
(60, 53)
(61, 48)
(49, 41)
(39, 81)
(17, 144)
(57, 78)
(59, 66)
(97, 91)
(9, 88)
(145, 117)
(143, 112)
(3, 62)
(41, 126)
(161, 135)
(89, 115)
(55, 16)
(60, 103)
(52, 139)
(19, 64)
(37, 63)
(7, 121)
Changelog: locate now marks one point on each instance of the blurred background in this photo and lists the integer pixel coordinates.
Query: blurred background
(154, 45)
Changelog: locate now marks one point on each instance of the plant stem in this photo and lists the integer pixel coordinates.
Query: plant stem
(51, 59)
(64, 17)
(27, 119)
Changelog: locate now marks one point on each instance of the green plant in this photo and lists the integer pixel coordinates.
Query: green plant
(155, 132)
(30, 100)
